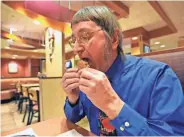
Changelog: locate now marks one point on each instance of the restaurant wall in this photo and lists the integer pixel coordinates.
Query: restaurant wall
(28, 67)
(23, 65)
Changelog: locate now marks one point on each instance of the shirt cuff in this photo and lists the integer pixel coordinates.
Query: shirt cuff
(72, 105)
(128, 120)
(73, 108)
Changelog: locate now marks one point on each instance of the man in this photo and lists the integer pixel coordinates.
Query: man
(120, 95)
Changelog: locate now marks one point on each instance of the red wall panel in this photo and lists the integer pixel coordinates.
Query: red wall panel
(24, 67)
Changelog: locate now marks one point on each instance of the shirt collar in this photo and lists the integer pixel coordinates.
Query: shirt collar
(117, 67)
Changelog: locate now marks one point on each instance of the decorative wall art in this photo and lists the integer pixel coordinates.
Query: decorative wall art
(12, 67)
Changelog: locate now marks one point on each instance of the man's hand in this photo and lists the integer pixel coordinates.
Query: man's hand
(70, 83)
(98, 89)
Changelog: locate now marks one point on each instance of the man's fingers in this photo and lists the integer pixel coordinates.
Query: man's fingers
(84, 89)
(70, 75)
(72, 86)
(86, 74)
(94, 71)
(72, 70)
(70, 81)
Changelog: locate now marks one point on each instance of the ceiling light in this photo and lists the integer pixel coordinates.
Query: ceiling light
(134, 38)
(162, 46)
(157, 42)
(13, 29)
(15, 55)
(36, 22)
(35, 50)
(7, 47)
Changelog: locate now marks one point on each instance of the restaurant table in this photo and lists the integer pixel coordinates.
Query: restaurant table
(33, 91)
(26, 86)
(52, 127)
(30, 85)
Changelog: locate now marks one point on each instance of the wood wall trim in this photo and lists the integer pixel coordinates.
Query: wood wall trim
(156, 6)
(20, 47)
(7, 78)
(135, 32)
(118, 7)
(160, 32)
(27, 41)
(63, 54)
(166, 30)
(21, 53)
(162, 52)
(50, 78)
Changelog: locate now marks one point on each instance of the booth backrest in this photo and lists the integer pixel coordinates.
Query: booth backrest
(12, 82)
(175, 60)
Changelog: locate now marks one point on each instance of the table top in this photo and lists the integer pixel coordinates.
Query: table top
(52, 127)
(34, 88)
(30, 85)
(33, 91)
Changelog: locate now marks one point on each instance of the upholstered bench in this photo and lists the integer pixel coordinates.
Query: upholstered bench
(8, 86)
(7, 94)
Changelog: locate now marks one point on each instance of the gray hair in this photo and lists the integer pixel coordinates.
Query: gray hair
(103, 17)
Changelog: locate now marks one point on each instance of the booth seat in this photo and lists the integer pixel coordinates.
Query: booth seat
(8, 86)
(174, 58)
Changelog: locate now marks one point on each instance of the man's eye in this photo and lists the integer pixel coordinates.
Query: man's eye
(73, 40)
(84, 37)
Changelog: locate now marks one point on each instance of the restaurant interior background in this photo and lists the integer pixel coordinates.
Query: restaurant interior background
(35, 45)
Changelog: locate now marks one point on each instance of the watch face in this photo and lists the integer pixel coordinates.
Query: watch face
(68, 64)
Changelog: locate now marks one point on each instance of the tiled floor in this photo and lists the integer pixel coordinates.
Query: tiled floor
(11, 118)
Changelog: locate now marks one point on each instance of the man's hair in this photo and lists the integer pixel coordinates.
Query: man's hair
(103, 17)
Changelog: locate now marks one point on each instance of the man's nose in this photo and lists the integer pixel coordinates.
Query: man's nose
(78, 49)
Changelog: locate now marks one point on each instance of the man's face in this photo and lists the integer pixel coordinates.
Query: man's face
(91, 45)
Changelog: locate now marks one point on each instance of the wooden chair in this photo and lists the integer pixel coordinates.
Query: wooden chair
(32, 107)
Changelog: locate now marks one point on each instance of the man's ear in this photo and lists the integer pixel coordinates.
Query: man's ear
(115, 39)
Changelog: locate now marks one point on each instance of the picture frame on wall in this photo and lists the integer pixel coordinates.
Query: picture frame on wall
(12, 68)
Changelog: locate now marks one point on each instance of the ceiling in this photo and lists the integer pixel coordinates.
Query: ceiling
(25, 29)
(24, 25)
(174, 11)
(141, 14)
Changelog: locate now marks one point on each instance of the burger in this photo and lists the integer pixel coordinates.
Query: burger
(82, 64)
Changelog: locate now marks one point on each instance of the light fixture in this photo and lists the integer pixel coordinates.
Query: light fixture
(15, 55)
(12, 29)
(7, 47)
(157, 42)
(134, 38)
(35, 50)
(162, 46)
(36, 22)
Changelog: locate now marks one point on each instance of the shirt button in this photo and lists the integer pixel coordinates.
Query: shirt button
(127, 124)
(121, 128)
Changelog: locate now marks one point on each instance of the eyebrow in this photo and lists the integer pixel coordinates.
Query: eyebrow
(81, 30)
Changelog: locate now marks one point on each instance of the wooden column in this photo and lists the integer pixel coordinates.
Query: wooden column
(54, 52)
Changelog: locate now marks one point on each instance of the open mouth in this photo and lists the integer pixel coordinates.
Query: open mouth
(84, 63)
(85, 59)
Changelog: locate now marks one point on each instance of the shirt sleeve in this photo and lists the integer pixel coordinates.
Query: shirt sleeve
(165, 110)
(74, 113)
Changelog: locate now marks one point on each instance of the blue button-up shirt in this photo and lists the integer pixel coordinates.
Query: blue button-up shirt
(154, 101)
